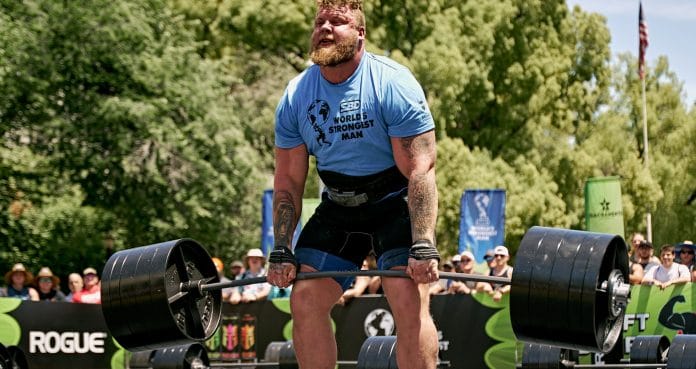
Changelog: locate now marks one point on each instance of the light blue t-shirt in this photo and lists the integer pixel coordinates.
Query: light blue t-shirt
(347, 126)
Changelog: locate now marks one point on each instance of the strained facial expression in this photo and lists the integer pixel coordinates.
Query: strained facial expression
(336, 36)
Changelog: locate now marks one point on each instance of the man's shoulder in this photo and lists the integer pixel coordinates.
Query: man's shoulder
(384, 62)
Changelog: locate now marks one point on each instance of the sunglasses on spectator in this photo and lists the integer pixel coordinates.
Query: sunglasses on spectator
(45, 279)
(690, 252)
(499, 256)
(466, 260)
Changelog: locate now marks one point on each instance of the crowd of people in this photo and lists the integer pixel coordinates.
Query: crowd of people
(675, 265)
(45, 286)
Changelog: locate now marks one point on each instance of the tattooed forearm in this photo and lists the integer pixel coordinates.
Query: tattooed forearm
(284, 218)
(422, 205)
(420, 152)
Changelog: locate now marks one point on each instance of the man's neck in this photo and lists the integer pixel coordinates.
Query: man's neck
(341, 72)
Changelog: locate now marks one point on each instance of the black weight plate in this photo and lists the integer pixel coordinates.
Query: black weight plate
(608, 328)
(540, 356)
(197, 316)
(682, 352)
(5, 359)
(272, 353)
(376, 353)
(141, 359)
(648, 349)
(142, 300)
(520, 307)
(286, 356)
(17, 358)
(181, 357)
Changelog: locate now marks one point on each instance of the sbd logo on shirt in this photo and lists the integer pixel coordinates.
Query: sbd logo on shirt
(350, 106)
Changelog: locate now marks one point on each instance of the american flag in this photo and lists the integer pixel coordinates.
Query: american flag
(642, 41)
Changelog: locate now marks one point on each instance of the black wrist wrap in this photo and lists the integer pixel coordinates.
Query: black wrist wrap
(424, 250)
(282, 254)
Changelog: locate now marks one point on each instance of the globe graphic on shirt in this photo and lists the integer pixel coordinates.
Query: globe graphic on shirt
(379, 322)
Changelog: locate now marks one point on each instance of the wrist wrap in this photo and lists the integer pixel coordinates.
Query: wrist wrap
(424, 250)
(282, 254)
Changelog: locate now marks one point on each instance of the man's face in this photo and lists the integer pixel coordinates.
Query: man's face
(636, 240)
(335, 38)
(91, 279)
(686, 255)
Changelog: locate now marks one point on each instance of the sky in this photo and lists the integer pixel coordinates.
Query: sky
(671, 32)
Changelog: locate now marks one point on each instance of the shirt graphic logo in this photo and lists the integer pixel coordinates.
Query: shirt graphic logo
(318, 114)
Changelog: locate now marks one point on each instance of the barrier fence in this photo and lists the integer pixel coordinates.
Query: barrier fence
(473, 330)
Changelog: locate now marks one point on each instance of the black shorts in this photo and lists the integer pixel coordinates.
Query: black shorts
(350, 233)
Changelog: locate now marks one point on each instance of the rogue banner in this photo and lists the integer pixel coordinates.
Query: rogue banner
(603, 208)
(482, 221)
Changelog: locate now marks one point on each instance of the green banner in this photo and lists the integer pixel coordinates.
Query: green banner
(603, 208)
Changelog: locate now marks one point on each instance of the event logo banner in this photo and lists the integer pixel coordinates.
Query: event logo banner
(603, 208)
(308, 206)
(482, 221)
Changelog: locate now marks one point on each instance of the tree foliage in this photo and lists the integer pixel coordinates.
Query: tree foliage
(153, 120)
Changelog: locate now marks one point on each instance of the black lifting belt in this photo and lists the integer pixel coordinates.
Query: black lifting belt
(353, 191)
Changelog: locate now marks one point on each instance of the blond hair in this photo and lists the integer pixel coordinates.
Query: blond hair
(354, 5)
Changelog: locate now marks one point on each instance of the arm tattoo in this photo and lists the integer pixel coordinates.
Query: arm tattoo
(285, 218)
(422, 189)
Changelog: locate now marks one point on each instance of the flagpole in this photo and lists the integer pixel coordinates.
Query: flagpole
(646, 162)
(642, 45)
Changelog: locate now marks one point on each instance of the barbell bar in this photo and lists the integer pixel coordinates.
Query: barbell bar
(568, 289)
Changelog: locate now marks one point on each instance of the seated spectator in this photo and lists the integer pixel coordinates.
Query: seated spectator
(220, 267)
(668, 272)
(75, 284)
(48, 286)
(254, 262)
(236, 269)
(91, 293)
(500, 268)
(467, 263)
(456, 262)
(363, 284)
(634, 242)
(644, 256)
(685, 256)
(19, 281)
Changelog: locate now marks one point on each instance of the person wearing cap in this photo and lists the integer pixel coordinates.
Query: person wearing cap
(75, 284)
(48, 286)
(19, 281)
(644, 256)
(466, 266)
(254, 263)
(500, 268)
(685, 256)
(236, 269)
(91, 293)
(668, 272)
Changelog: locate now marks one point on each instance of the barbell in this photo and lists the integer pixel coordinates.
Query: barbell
(646, 352)
(568, 289)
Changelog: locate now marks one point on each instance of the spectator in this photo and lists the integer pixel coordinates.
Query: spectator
(644, 256)
(635, 240)
(91, 293)
(236, 269)
(48, 286)
(220, 267)
(75, 284)
(360, 285)
(254, 262)
(501, 268)
(456, 262)
(668, 272)
(467, 263)
(19, 281)
(685, 256)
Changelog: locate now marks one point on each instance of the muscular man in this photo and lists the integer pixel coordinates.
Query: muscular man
(365, 119)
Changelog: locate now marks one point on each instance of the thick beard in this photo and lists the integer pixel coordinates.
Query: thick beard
(336, 54)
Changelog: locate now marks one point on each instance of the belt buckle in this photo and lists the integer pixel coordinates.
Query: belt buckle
(348, 198)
